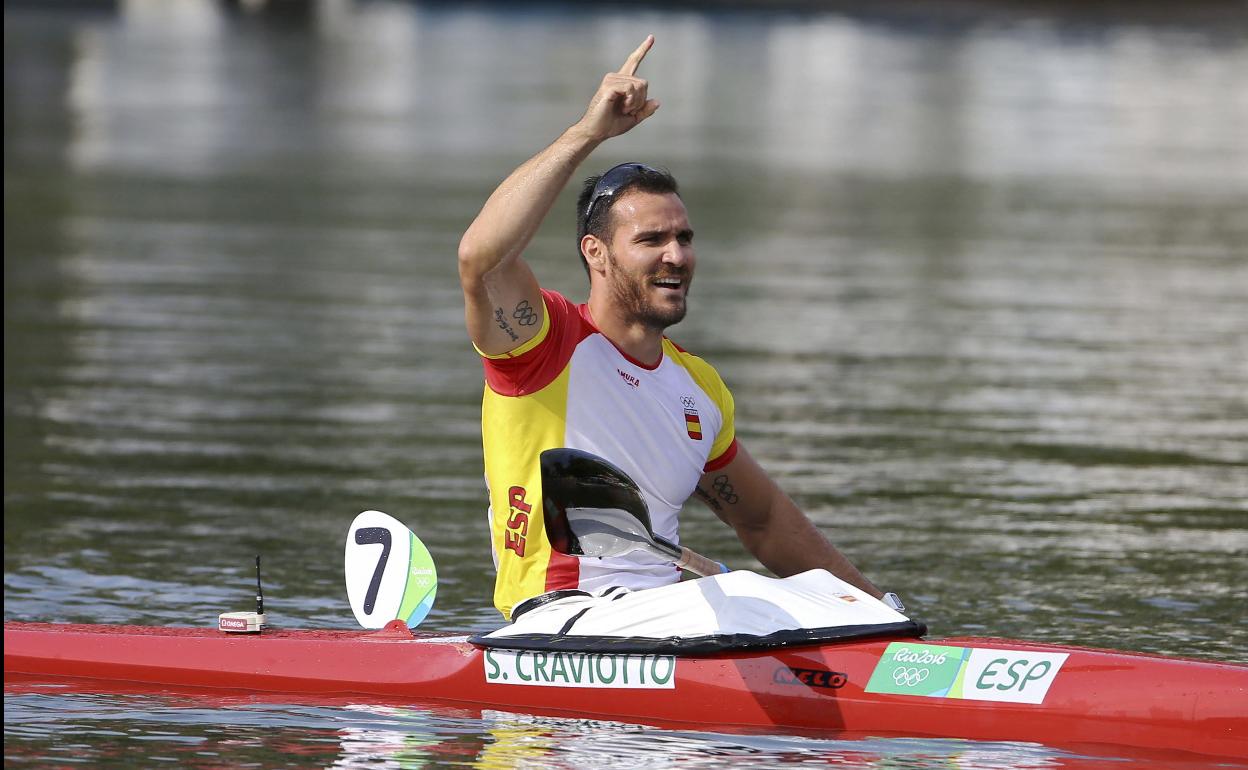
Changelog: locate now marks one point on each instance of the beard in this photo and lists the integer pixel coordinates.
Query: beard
(632, 293)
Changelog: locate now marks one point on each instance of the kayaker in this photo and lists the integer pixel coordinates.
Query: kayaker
(602, 376)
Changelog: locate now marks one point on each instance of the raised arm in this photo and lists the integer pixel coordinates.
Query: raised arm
(502, 301)
(770, 524)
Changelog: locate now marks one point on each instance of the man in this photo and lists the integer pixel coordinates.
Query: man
(602, 377)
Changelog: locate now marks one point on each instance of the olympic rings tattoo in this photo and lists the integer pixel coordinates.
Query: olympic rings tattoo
(525, 315)
(725, 490)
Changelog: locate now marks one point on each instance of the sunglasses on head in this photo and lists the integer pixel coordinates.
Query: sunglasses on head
(612, 181)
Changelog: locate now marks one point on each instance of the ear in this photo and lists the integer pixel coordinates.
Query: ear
(595, 252)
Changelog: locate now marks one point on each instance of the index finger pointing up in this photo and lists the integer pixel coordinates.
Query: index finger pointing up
(634, 58)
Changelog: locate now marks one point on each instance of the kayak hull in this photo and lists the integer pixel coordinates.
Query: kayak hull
(1093, 696)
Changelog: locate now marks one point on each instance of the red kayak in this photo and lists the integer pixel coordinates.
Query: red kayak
(976, 688)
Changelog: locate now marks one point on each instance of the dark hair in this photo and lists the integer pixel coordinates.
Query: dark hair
(599, 194)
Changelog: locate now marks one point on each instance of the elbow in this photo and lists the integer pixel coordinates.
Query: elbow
(474, 262)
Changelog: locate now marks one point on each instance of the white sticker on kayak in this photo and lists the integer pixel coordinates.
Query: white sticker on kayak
(577, 669)
(966, 673)
(1010, 675)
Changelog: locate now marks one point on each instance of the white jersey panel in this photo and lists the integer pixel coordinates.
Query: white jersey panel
(638, 419)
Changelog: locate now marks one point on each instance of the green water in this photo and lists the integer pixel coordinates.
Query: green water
(980, 290)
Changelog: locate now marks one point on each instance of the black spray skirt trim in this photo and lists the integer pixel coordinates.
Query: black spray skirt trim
(700, 645)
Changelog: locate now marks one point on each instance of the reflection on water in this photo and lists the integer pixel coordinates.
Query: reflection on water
(978, 288)
(207, 730)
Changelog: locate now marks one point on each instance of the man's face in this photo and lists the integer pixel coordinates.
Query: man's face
(650, 260)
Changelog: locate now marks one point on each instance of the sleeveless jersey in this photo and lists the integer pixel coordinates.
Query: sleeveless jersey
(664, 425)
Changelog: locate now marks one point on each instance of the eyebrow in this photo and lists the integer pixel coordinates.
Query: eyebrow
(646, 235)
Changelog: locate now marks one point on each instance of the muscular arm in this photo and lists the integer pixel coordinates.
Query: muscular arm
(770, 524)
(497, 283)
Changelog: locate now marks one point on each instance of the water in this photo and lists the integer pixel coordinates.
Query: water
(979, 287)
(212, 731)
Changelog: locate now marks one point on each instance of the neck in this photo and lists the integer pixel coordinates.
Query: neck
(638, 341)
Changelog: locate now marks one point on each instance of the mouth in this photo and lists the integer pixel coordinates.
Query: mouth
(670, 283)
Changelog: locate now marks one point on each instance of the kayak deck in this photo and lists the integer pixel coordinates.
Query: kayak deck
(1092, 696)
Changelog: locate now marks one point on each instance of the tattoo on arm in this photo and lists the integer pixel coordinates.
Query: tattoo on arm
(709, 499)
(723, 493)
(723, 489)
(524, 314)
(501, 319)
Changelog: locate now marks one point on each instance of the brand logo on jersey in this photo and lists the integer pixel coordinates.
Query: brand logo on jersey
(630, 379)
(693, 423)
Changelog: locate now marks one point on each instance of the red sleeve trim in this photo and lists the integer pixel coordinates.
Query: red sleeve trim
(728, 456)
(536, 368)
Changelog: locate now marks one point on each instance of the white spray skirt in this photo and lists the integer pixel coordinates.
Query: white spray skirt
(736, 610)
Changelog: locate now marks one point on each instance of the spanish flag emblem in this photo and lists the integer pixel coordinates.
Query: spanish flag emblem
(693, 424)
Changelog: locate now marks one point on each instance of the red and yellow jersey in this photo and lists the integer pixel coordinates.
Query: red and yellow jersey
(664, 425)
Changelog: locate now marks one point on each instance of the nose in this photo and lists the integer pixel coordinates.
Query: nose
(678, 254)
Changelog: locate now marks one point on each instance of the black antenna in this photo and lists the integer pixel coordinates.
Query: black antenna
(259, 590)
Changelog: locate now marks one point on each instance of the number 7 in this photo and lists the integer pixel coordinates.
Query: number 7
(372, 536)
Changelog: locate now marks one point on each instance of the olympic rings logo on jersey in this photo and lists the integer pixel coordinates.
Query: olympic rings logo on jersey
(909, 677)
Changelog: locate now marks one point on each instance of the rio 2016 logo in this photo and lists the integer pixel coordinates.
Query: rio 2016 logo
(905, 655)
